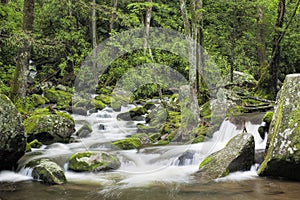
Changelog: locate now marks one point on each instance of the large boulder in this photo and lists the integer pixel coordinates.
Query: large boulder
(12, 137)
(93, 161)
(237, 155)
(283, 146)
(49, 127)
(47, 171)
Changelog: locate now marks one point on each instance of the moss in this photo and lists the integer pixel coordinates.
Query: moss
(205, 161)
(61, 98)
(205, 110)
(154, 137)
(128, 143)
(104, 98)
(163, 142)
(65, 115)
(268, 117)
(149, 105)
(38, 100)
(35, 144)
(28, 148)
(98, 104)
(137, 111)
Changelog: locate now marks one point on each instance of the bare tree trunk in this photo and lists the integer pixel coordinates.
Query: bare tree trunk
(93, 20)
(113, 15)
(19, 85)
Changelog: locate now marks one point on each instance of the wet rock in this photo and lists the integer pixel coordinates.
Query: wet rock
(79, 111)
(49, 127)
(12, 136)
(259, 156)
(283, 144)
(93, 161)
(237, 155)
(47, 171)
(128, 143)
(101, 127)
(186, 158)
(135, 114)
(84, 131)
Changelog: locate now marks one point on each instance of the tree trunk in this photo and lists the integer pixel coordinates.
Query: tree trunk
(260, 37)
(113, 15)
(274, 64)
(93, 20)
(19, 85)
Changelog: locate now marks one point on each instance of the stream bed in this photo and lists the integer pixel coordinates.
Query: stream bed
(160, 172)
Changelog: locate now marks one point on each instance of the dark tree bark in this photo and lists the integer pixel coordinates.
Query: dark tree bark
(260, 36)
(19, 85)
(275, 61)
(4, 1)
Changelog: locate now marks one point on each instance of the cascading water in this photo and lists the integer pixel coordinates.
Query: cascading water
(148, 166)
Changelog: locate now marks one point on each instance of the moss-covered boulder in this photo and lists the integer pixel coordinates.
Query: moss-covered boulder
(49, 127)
(38, 100)
(93, 161)
(238, 155)
(84, 130)
(283, 145)
(61, 98)
(12, 136)
(47, 171)
(128, 143)
(99, 105)
(135, 114)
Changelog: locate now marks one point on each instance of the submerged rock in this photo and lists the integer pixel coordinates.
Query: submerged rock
(47, 171)
(237, 155)
(49, 127)
(12, 136)
(93, 161)
(283, 145)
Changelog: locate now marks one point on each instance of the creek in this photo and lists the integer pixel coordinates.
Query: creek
(160, 172)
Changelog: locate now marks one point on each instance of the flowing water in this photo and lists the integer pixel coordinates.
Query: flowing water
(162, 172)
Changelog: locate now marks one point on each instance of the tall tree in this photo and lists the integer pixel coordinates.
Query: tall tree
(269, 81)
(19, 85)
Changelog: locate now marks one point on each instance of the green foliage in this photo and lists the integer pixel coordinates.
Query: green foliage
(128, 143)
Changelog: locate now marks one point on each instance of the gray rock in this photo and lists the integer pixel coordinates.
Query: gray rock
(49, 128)
(84, 131)
(237, 155)
(283, 145)
(12, 136)
(47, 171)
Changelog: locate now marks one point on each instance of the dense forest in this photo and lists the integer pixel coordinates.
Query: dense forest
(52, 38)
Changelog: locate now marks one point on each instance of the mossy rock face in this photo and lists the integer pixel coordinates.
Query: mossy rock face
(128, 143)
(104, 98)
(93, 161)
(61, 98)
(12, 136)
(238, 155)
(49, 127)
(283, 145)
(47, 171)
